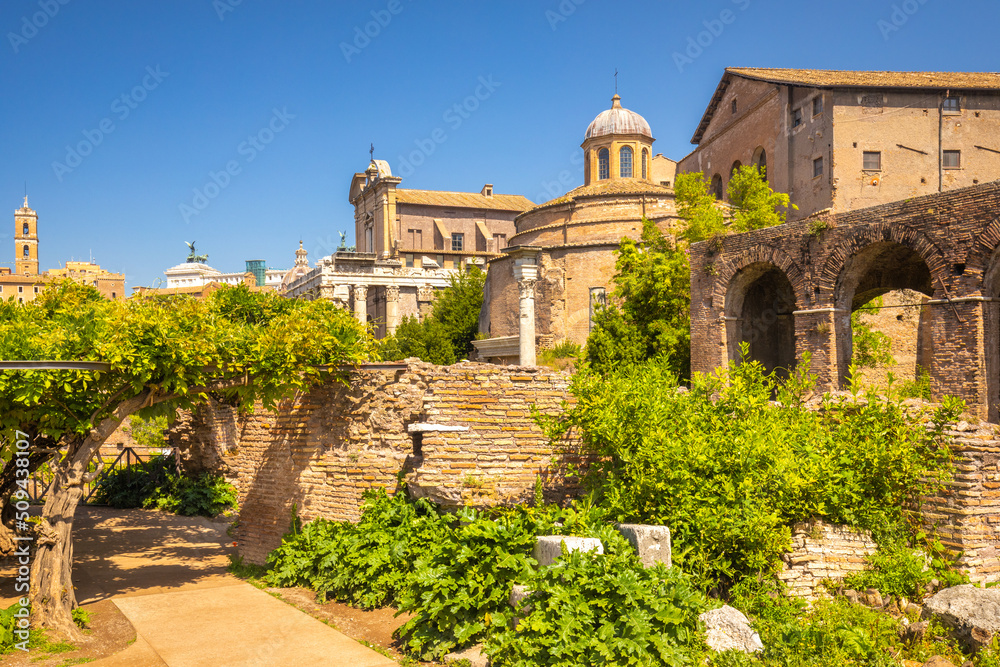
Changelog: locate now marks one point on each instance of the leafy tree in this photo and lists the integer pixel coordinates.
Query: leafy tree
(653, 288)
(754, 204)
(698, 207)
(164, 353)
(871, 347)
(446, 334)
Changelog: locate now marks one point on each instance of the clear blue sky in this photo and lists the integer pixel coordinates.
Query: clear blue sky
(224, 67)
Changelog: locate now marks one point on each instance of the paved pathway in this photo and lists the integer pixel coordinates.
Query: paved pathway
(167, 574)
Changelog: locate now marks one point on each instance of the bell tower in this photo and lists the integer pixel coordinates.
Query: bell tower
(26, 241)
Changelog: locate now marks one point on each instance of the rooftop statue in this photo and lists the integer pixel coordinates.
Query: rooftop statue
(193, 257)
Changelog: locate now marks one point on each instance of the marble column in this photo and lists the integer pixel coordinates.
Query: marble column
(361, 303)
(391, 309)
(526, 275)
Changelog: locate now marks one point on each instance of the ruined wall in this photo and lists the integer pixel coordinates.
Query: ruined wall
(323, 449)
(822, 551)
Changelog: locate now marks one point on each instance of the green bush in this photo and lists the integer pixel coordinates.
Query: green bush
(367, 564)
(155, 484)
(589, 609)
(729, 470)
(901, 569)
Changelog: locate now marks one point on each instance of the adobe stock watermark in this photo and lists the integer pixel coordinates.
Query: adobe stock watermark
(564, 179)
(31, 25)
(562, 12)
(223, 7)
(703, 40)
(363, 35)
(248, 150)
(454, 116)
(122, 107)
(22, 551)
(901, 13)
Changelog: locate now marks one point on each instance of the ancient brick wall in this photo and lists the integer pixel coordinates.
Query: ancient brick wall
(323, 449)
(823, 551)
(795, 286)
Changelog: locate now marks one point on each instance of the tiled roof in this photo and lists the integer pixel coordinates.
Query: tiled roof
(463, 200)
(825, 78)
(628, 186)
(848, 79)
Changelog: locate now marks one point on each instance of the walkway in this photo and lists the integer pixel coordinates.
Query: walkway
(167, 574)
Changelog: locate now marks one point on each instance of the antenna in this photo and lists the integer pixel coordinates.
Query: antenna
(616, 81)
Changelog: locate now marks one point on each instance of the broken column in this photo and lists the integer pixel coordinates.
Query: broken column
(391, 309)
(361, 303)
(651, 542)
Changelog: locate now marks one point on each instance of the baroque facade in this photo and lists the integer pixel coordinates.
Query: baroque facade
(843, 140)
(560, 261)
(409, 244)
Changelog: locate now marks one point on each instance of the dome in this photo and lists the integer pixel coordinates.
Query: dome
(618, 120)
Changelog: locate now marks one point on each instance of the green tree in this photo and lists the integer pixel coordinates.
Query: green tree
(754, 204)
(164, 353)
(871, 347)
(698, 207)
(446, 334)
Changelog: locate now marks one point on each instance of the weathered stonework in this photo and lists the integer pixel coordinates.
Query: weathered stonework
(823, 551)
(323, 449)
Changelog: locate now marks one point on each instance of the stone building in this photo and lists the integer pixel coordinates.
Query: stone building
(25, 281)
(845, 140)
(560, 260)
(409, 244)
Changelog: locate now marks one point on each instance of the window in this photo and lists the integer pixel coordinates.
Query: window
(408, 258)
(625, 162)
(113, 295)
(760, 160)
(736, 167)
(796, 117)
(439, 259)
(645, 159)
(26, 251)
(951, 105)
(500, 241)
(26, 231)
(20, 289)
(717, 186)
(416, 238)
(817, 167)
(817, 105)
(457, 241)
(872, 161)
(603, 164)
(369, 240)
(734, 106)
(36, 289)
(952, 160)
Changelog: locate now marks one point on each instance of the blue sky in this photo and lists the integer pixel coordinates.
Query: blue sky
(280, 101)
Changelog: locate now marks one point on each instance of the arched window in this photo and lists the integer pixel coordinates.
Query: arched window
(760, 161)
(603, 164)
(645, 160)
(27, 251)
(717, 186)
(26, 231)
(625, 162)
(735, 168)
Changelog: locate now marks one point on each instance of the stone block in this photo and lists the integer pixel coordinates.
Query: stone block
(651, 542)
(549, 547)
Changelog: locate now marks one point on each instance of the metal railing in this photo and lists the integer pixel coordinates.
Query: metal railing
(128, 457)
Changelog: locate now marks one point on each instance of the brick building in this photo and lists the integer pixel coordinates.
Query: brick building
(25, 281)
(846, 140)
(560, 261)
(790, 290)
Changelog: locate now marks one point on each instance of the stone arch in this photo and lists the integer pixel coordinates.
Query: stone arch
(982, 255)
(717, 186)
(760, 160)
(875, 261)
(990, 290)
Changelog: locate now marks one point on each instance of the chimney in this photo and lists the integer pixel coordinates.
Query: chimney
(487, 190)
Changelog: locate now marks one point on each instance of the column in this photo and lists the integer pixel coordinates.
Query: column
(391, 309)
(361, 303)
(526, 276)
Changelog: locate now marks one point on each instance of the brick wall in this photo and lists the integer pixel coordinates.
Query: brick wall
(822, 551)
(322, 450)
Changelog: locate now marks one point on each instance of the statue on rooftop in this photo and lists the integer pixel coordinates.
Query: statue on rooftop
(193, 257)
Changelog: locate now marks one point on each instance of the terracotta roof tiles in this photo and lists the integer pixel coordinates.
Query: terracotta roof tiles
(463, 200)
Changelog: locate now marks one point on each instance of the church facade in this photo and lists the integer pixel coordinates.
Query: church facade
(560, 261)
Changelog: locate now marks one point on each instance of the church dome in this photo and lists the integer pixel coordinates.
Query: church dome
(618, 120)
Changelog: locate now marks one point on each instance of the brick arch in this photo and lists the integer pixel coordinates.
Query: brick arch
(984, 255)
(761, 254)
(861, 238)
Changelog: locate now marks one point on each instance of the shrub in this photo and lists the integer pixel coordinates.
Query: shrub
(130, 486)
(591, 609)
(155, 484)
(729, 470)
